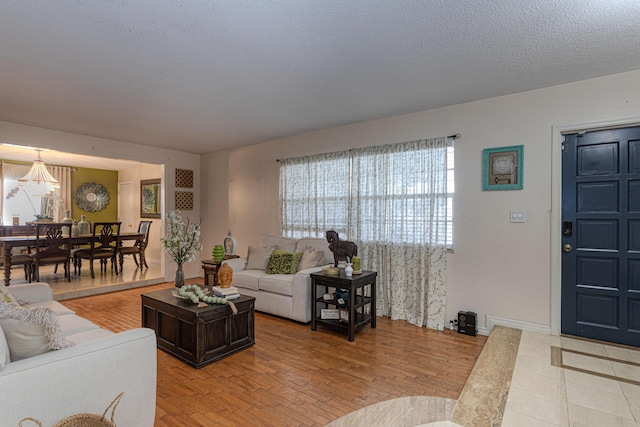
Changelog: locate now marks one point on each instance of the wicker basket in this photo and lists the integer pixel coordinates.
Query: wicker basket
(84, 419)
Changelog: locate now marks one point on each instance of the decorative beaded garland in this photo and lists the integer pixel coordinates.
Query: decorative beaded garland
(196, 294)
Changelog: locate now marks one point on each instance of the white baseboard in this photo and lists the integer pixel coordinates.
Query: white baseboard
(491, 321)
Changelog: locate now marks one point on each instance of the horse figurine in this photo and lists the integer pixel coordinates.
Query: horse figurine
(343, 250)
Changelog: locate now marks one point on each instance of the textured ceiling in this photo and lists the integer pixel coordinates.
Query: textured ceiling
(202, 76)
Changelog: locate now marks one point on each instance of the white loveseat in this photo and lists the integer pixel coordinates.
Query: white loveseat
(83, 378)
(285, 295)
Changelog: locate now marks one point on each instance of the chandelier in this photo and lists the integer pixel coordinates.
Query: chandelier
(38, 181)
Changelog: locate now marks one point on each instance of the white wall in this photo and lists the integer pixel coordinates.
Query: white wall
(154, 251)
(498, 268)
(90, 146)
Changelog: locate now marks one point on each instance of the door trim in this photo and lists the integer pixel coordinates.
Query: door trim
(556, 205)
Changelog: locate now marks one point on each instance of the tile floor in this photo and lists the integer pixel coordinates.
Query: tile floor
(557, 381)
(84, 285)
(561, 381)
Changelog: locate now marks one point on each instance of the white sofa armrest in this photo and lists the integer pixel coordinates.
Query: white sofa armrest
(30, 293)
(237, 264)
(301, 294)
(313, 269)
(85, 378)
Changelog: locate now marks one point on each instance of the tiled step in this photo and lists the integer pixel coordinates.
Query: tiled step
(484, 395)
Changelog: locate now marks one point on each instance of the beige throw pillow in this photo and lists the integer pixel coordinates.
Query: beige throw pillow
(4, 351)
(258, 258)
(311, 258)
(30, 331)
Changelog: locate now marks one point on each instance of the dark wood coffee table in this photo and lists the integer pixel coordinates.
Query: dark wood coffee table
(198, 336)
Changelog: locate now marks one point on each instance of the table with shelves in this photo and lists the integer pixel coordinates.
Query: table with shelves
(360, 305)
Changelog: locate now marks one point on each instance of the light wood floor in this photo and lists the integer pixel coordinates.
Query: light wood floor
(293, 376)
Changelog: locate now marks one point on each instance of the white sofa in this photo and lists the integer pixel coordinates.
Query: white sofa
(285, 295)
(83, 378)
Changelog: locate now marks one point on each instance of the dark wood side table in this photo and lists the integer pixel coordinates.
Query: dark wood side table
(198, 336)
(211, 267)
(362, 295)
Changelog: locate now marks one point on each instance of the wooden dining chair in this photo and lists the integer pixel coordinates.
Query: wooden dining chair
(52, 247)
(138, 248)
(18, 258)
(103, 246)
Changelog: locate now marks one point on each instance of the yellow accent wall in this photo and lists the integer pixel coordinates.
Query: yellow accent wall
(106, 178)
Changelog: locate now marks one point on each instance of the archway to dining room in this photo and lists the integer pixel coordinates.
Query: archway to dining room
(112, 175)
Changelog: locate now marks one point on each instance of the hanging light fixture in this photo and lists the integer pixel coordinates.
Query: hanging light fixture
(38, 181)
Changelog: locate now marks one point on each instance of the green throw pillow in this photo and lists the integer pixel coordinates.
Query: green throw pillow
(282, 262)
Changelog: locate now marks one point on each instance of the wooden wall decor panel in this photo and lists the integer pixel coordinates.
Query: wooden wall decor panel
(184, 178)
(184, 200)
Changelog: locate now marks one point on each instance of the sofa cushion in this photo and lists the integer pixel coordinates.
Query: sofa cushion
(247, 279)
(286, 244)
(311, 257)
(30, 331)
(283, 262)
(73, 324)
(316, 243)
(54, 306)
(277, 284)
(258, 258)
(4, 350)
(87, 336)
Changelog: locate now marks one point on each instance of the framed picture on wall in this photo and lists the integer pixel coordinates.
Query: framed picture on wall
(150, 198)
(502, 168)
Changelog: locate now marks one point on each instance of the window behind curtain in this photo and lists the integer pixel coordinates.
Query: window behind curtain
(329, 191)
(394, 202)
(314, 194)
(26, 207)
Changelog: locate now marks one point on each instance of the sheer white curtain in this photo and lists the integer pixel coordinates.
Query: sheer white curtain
(392, 201)
(398, 218)
(62, 195)
(314, 194)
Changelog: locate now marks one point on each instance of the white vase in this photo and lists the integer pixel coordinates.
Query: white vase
(229, 244)
(83, 226)
(67, 217)
(348, 270)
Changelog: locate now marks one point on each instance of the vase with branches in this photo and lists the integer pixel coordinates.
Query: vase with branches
(181, 242)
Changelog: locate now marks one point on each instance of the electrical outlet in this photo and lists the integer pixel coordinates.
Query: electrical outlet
(517, 215)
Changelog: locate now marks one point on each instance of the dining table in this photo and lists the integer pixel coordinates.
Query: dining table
(10, 242)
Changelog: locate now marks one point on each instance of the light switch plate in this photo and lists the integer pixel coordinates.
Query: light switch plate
(517, 215)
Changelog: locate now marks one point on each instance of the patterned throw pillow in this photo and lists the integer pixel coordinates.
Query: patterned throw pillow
(5, 295)
(284, 262)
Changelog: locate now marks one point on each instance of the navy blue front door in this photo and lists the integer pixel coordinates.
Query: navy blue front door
(601, 235)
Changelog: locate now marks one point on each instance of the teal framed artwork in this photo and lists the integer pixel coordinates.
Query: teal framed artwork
(502, 168)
